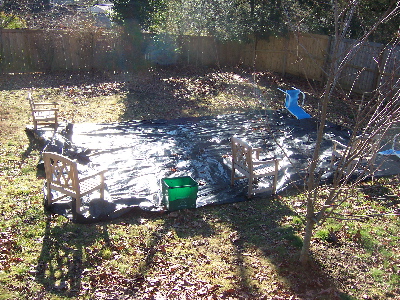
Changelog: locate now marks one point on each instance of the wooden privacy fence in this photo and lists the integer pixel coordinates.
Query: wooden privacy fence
(57, 50)
(373, 64)
(304, 55)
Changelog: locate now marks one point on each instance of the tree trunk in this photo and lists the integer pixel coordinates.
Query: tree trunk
(305, 250)
(311, 184)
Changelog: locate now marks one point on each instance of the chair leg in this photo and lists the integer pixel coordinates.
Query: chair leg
(78, 202)
(49, 196)
(250, 190)
(332, 161)
(102, 193)
(275, 182)
(233, 176)
(73, 210)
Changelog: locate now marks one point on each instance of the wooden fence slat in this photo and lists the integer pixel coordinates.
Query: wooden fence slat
(303, 55)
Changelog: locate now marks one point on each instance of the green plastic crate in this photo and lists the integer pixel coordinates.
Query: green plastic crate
(179, 192)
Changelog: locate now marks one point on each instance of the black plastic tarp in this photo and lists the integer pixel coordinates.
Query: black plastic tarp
(139, 154)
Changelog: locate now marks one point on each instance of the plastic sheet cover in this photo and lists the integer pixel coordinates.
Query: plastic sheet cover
(139, 154)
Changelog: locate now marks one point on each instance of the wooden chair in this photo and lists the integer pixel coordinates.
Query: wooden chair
(245, 160)
(43, 113)
(62, 176)
(361, 150)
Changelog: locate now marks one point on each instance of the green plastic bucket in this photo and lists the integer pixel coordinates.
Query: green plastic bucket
(179, 192)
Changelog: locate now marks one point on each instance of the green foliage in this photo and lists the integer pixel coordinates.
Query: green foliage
(230, 19)
(163, 49)
(368, 13)
(347, 297)
(322, 234)
(268, 18)
(32, 6)
(377, 274)
(9, 21)
(147, 13)
(227, 19)
(317, 17)
(395, 277)
(236, 20)
(297, 222)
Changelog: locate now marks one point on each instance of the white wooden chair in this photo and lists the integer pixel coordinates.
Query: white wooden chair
(362, 150)
(62, 176)
(245, 160)
(43, 113)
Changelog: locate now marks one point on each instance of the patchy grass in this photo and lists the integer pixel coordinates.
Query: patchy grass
(244, 250)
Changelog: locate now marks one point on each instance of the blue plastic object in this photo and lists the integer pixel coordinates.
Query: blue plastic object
(291, 104)
(392, 151)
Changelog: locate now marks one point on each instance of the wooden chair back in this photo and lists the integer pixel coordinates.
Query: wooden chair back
(242, 156)
(361, 150)
(62, 176)
(245, 160)
(43, 113)
(61, 172)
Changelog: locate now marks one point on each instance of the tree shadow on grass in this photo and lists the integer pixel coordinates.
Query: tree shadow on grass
(61, 262)
(156, 99)
(380, 194)
(264, 254)
(264, 230)
(255, 245)
(185, 223)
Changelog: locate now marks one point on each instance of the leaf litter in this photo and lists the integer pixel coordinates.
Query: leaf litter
(188, 255)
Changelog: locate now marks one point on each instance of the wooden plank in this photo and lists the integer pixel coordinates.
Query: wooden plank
(390, 68)
(120, 50)
(361, 71)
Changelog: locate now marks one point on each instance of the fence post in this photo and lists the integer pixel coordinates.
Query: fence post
(285, 55)
(325, 67)
(1, 50)
(255, 52)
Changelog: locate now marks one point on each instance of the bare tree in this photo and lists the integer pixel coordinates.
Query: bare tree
(377, 113)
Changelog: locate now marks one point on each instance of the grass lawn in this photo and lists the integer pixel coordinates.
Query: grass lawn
(245, 250)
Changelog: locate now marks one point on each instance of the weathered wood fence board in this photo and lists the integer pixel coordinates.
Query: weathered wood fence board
(302, 55)
(362, 71)
(389, 68)
(307, 55)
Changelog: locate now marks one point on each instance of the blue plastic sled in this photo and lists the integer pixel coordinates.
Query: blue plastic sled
(291, 103)
(391, 151)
